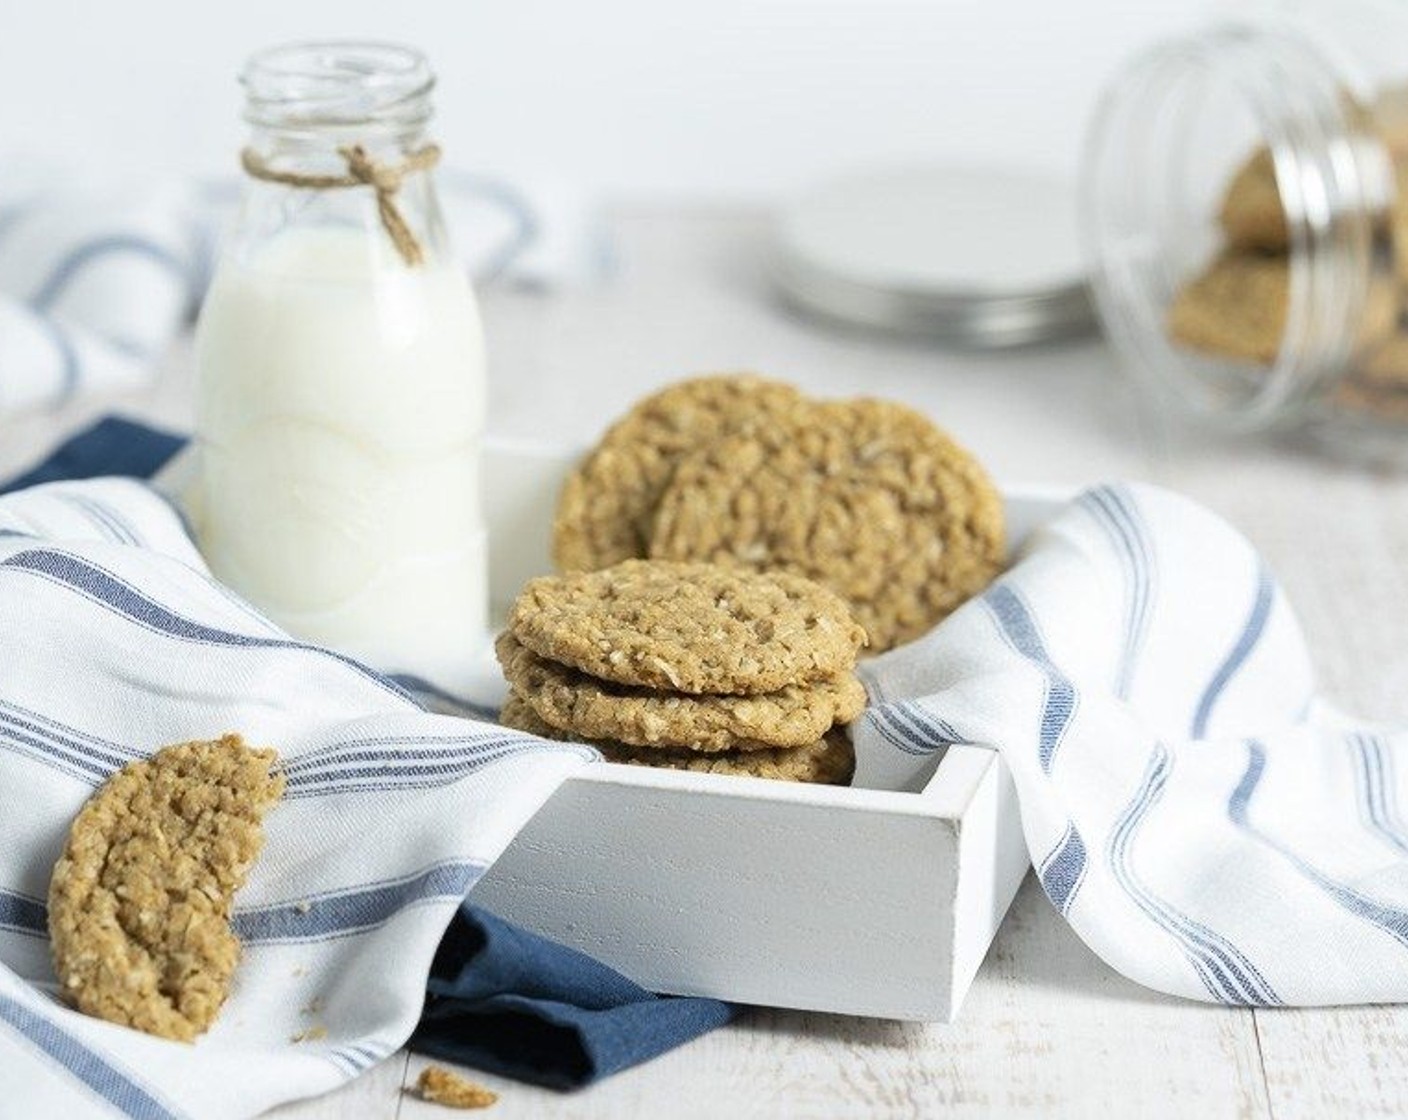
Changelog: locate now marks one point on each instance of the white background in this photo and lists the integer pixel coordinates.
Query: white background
(676, 99)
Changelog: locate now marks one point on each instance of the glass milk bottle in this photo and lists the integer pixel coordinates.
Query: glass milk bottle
(340, 373)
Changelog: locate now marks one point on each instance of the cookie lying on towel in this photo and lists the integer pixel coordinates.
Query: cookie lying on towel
(140, 901)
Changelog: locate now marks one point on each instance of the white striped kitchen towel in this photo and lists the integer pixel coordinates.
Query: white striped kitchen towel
(95, 284)
(1204, 821)
(92, 289)
(115, 641)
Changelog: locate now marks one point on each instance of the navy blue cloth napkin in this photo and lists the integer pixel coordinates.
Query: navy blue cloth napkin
(112, 446)
(502, 999)
(499, 998)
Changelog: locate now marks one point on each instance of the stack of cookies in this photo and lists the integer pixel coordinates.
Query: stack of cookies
(688, 665)
(865, 497)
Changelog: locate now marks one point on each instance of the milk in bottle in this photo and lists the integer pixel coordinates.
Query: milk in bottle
(340, 399)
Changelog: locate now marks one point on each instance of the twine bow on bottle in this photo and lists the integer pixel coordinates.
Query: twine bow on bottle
(362, 171)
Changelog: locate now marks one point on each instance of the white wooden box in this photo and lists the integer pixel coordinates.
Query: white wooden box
(857, 901)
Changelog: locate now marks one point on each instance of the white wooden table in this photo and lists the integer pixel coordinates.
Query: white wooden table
(1047, 1030)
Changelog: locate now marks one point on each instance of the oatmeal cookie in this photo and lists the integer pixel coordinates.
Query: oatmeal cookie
(828, 761)
(696, 628)
(1398, 227)
(140, 900)
(1236, 308)
(1252, 216)
(606, 505)
(865, 496)
(581, 705)
(1387, 365)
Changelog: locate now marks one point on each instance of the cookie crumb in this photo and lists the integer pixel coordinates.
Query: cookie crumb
(303, 907)
(442, 1086)
(312, 1034)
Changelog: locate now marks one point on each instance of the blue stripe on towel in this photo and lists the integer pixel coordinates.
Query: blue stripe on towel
(70, 368)
(925, 723)
(104, 518)
(356, 1058)
(347, 1064)
(316, 917)
(118, 1088)
(1378, 789)
(23, 913)
(333, 914)
(402, 778)
(1116, 512)
(56, 758)
(371, 1053)
(104, 751)
(907, 727)
(359, 1056)
(1227, 973)
(1063, 870)
(390, 763)
(1017, 624)
(896, 737)
(352, 1059)
(84, 757)
(1251, 633)
(123, 599)
(73, 264)
(364, 765)
(338, 754)
(1390, 919)
(411, 753)
(520, 211)
(419, 686)
(10, 217)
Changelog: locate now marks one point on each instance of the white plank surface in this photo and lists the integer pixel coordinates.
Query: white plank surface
(1047, 1030)
(376, 1093)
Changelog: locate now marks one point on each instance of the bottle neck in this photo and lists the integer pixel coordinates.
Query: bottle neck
(322, 150)
(345, 124)
(307, 101)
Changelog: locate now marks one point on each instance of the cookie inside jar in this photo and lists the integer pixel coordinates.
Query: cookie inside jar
(1238, 307)
(1246, 211)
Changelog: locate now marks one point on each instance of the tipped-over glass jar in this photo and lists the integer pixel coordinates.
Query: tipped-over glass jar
(340, 373)
(1246, 210)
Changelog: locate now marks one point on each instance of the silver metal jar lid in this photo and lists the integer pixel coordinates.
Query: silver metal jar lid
(974, 257)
